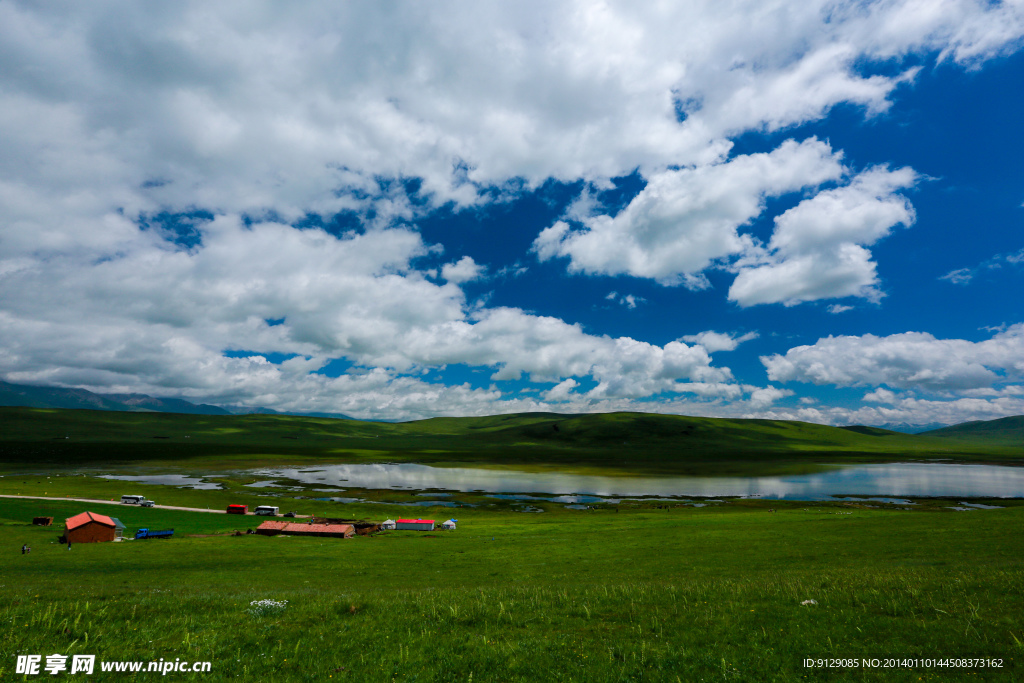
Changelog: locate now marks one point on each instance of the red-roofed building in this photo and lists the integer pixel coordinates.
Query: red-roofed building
(415, 524)
(300, 529)
(88, 527)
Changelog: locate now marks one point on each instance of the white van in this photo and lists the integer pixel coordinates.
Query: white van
(268, 510)
(132, 500)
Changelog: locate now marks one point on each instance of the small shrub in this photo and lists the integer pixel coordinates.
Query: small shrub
(267, 608)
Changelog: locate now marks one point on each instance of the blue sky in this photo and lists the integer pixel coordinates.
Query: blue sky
(787, 210)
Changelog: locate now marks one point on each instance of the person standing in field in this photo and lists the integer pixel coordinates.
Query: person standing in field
(24, 548)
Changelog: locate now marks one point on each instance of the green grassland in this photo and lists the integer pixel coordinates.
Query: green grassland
(625, 442)
(643, 590)
(638, 594)
(1007, 431)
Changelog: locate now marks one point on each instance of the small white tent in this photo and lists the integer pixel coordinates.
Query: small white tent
(388, 524)
(449, 525)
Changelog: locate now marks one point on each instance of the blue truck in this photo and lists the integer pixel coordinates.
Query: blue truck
(146, 533)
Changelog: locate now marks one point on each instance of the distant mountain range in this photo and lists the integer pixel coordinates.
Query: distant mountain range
(23, 395)
(246, 410)
(57, 397)
(907, 428)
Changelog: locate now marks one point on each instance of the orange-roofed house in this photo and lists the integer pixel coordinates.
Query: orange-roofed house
(299, 529)
(88, 527)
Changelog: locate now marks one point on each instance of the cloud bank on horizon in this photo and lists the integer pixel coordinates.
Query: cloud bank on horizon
(752, 209)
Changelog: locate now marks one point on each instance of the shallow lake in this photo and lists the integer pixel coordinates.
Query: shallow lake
(893, 479)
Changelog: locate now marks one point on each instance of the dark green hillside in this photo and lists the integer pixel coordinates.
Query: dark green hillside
(1004, 431)
(634, 442)
(697, 434)
(872, 431)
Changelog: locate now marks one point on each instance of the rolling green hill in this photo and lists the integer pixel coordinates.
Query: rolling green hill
(1004, 431)
(631, 442)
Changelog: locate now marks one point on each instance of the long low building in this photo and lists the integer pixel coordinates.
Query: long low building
(300, 529)
(415, 524)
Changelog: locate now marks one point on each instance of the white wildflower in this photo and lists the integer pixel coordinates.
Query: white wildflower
(267, 607)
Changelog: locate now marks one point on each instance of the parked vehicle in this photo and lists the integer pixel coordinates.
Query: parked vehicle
(147, 503)
(238, 509)
(146, 533)
(293, 513)
(268, 510)
(132, 500)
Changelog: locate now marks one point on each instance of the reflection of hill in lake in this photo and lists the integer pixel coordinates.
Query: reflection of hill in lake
(899, 479)
(636, 442)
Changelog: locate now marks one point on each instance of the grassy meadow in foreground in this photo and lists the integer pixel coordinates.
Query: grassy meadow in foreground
(642, 594)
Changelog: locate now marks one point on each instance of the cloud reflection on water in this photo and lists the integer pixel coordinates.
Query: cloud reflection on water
(895, 479)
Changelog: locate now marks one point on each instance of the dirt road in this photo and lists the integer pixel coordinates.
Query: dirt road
(114, 502)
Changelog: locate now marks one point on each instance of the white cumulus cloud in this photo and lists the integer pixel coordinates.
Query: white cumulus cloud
(684, 220)
(255, 118)
(717, 341)
(816, 251)
(911, 360)
(158, 317)
(463, 270)
(561, 391)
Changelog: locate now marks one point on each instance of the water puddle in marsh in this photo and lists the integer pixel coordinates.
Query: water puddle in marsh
(182, 481)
